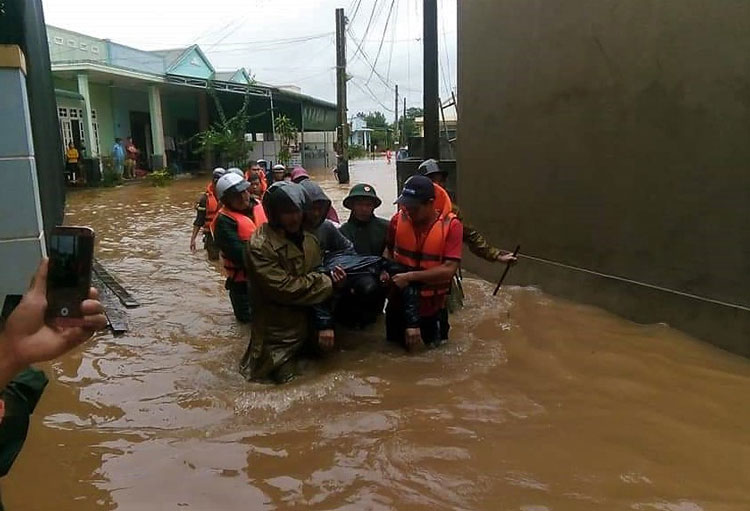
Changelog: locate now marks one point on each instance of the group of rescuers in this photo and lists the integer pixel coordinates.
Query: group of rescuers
(274, 231)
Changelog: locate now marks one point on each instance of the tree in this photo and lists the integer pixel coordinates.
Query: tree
(288, 137)
(409, 126)
(226, 137)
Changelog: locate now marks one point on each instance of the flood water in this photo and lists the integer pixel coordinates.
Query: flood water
(536, 404)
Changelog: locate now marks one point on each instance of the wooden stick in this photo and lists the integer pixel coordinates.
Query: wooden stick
(507, 269)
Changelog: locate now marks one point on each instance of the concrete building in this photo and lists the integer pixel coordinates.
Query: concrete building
(611, 140)
(359, 133)
(106, 90)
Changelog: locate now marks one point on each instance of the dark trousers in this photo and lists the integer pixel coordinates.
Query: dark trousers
(361, 303)
(434, 329)
(210, 245)
(240, 297)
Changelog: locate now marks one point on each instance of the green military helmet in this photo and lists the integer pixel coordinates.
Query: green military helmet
(362, 190)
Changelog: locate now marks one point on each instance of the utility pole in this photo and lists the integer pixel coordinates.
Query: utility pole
(395, 123)
(342, 165)
(405, 140)
(431, 84)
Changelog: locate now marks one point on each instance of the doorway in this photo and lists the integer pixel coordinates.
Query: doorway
(140, 131)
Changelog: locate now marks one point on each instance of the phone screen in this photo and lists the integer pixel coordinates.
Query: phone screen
(71, 251)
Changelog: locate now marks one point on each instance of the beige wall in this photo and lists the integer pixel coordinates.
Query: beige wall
(614, 137)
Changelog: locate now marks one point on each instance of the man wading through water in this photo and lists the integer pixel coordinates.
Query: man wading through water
(286, 289)
(205, 212)
(428, 242)
(236, 221)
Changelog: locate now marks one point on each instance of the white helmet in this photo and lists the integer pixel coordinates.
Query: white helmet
(230, 182)
(218, 172)
(237, 171)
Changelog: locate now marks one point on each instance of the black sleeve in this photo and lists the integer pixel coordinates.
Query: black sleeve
(228, 241)
(200, 211)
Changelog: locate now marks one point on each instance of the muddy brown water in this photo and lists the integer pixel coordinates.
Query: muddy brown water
(536, 404)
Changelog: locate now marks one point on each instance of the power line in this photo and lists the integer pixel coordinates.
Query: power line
(380, 48)
(367, 29)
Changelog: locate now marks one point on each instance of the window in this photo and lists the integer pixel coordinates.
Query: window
(59, 40)
(74, 113)
(62, 112)
(95, 49)
(72, 43)
(83, 46)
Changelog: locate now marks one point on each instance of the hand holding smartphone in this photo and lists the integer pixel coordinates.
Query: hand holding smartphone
(71, 254)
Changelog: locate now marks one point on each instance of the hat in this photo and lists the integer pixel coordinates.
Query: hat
(417, 189)
(218, 172)
(279, 168)
(299, 174)
(362, 190)
(262, 163)
(429, 167)
(231, 182)
(235, 170)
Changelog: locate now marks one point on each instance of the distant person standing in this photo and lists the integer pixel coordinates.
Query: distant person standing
(388, 156)
(118, 155)
(71, 161)
(131, 158)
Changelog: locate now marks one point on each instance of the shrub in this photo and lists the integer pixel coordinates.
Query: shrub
(160, 177)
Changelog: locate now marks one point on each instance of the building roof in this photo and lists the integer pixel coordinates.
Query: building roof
(171, 56)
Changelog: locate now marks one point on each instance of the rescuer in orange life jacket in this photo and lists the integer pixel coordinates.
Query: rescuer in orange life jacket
(429, 242)
(205, 212)
(236, 221)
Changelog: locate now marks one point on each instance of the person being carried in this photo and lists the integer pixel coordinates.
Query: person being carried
(205, 212)
(429, 243)
(282, 260)
(317, 220)
(235, 223)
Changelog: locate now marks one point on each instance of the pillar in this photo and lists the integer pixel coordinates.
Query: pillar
(21, 232)
(159, 158)
(88, 128)
(203, 126)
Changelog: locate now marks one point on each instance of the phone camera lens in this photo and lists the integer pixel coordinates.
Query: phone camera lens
(64, 312)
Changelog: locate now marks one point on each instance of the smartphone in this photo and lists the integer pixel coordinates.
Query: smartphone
(71, 254)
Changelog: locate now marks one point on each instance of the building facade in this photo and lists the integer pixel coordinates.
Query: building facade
(106, 90)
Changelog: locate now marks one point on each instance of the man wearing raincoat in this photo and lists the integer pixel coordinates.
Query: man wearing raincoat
(282, 260)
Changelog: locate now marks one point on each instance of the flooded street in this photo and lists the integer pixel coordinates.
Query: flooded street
(536, 404)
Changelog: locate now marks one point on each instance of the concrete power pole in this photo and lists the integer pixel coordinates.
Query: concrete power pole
(342, 165)
(395, 123)
(430, 47)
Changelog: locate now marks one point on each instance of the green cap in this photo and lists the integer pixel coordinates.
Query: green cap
(362, 190)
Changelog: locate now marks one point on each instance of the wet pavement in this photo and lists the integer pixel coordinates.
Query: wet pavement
(536, 404)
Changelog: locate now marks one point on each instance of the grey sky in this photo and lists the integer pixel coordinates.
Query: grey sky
(281, 41)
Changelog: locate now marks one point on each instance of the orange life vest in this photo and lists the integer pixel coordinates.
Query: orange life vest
(212, 207)
(443, 201)
(425, 253)
(245, 229)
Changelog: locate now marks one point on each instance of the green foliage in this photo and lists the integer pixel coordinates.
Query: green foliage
(110, 177)
(374, 120)
(160, 177)
(288, 137)
(226, 137)
(357, 151)
(408, 125)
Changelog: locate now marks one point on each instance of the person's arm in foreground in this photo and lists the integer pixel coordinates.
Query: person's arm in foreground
(26, 338)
